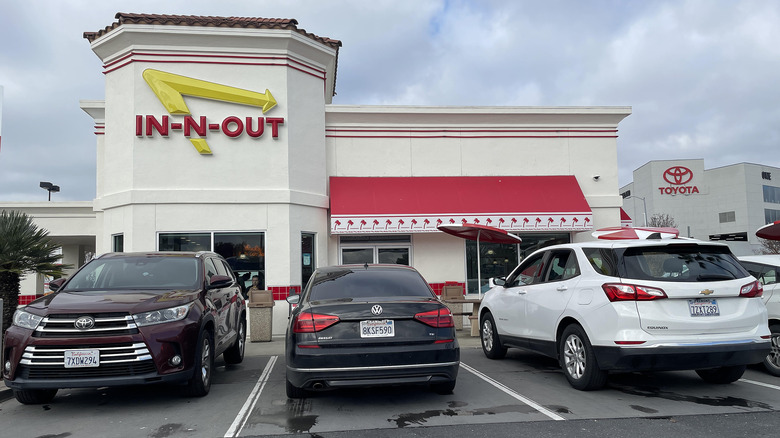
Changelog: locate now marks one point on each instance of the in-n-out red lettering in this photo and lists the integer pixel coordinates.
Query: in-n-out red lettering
(231, 126)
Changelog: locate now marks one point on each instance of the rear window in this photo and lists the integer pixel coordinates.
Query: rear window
(346, 283)
(686, 263)
(136, 273)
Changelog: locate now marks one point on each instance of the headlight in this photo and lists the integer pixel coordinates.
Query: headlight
(161, 316)
(26, 319)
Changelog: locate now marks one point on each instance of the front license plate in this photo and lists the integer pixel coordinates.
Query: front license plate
(377, 329)
(82, 358)
(704, 307)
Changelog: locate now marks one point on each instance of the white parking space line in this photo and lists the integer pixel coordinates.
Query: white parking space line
(243, 414)
(766, 385)
(513, 393)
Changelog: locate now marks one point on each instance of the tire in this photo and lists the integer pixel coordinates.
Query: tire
(200, 383)
(722, 375)
(491, 344)
(443, 388)
(578, 360)
(294, 391)
(34, 396)
(235, 353)
(772, 360)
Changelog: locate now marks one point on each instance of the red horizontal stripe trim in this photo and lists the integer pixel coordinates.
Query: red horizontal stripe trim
(472, 136)
(184, 55)
(443, 341)
(212, 62)
(401, 131)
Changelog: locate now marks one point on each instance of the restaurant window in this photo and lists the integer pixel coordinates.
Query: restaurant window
(118, 243)
(244, 252)
(376, 249)
(771, 216)
(498, 260)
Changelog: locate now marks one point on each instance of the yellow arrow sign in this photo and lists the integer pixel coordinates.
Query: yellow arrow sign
(170, 89)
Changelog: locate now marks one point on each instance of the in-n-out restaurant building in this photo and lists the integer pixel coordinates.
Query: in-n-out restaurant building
(220, 134)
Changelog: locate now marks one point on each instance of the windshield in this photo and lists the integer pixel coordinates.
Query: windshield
(136, 273)
(346, 283)
(687, 263)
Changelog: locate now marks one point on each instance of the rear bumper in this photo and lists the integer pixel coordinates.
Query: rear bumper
(683, 357)
(322, 378)
(322, 368)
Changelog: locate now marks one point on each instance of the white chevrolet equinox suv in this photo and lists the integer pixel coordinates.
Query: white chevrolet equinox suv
(635, 305)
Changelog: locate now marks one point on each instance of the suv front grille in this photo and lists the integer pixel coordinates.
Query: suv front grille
(106, 324)
(48, 362)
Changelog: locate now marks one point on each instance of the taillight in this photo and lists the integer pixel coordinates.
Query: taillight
(440, 318)
(751, 290)
(632, 292)
(307, 322)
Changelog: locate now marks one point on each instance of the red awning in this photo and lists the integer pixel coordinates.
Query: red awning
(420, 204)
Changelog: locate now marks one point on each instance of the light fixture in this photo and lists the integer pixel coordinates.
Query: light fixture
(49, 187)
(596, 177)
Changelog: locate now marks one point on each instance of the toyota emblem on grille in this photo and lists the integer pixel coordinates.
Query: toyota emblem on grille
(376, 310)
(84, 322)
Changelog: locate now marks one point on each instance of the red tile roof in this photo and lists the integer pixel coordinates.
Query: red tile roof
(210, 21)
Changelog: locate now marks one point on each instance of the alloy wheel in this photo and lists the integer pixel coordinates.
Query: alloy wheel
(574, 357)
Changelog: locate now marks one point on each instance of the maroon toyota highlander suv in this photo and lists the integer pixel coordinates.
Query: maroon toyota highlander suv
(128, 319)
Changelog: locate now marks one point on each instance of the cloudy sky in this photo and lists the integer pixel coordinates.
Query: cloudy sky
(702, 76)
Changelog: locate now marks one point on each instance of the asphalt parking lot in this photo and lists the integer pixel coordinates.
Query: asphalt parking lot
(524, 388)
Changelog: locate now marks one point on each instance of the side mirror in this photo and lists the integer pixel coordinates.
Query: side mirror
(496, 281)
(218, 281)
(294, 299)
(55, 285)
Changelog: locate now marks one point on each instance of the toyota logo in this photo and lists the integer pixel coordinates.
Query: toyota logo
(84, 322)
(376, 310)
(678, 175)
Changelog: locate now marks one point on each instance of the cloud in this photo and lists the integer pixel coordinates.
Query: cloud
(700, 75)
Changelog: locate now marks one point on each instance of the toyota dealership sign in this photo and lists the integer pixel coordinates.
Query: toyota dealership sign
(679, 179)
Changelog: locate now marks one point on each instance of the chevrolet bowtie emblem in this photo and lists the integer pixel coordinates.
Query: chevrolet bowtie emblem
(707, 292)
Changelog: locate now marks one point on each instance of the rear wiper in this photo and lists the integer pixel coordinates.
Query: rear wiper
(713, 277)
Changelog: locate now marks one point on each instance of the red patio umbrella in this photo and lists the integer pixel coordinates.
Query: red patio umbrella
(627, 233)
(480, 233)
(769, 231)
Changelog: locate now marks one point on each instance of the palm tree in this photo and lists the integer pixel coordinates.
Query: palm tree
(24, 248)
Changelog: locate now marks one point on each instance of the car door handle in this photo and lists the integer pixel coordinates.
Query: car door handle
(521, 292)
(562, 288)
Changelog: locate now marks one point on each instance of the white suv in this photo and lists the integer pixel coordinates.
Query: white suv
(765, 268)
(638, 305)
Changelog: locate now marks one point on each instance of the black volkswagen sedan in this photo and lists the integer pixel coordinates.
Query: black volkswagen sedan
(369, 325)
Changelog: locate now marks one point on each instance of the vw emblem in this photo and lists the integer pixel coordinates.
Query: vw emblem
(376, 309)
(84, 322)
(678, 175)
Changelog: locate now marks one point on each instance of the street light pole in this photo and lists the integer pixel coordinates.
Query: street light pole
(643, 204)
(49, 187)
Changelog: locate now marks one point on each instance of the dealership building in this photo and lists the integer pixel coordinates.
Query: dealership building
(221, 134)
(725, 204)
